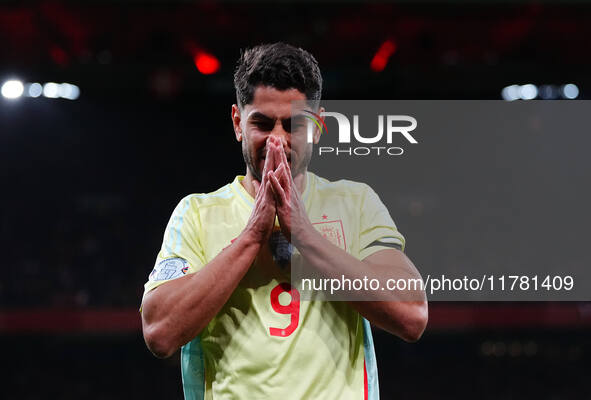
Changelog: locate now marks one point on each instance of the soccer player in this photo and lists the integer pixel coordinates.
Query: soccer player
(220, 288)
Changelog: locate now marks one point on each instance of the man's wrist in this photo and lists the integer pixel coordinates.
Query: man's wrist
(248, 238)
(305, 236)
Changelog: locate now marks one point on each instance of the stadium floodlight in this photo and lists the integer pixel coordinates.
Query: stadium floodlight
(510, 93)
(69, 91)
(528, 92)
(35, 90)
(548, 92)
(51, 90)
(570, 91)
(12, 89)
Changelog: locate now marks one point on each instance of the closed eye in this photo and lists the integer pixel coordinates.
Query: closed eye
(293, 124)
(265, 126)
(262, 122)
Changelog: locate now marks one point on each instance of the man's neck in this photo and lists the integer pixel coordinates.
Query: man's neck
(247, 182)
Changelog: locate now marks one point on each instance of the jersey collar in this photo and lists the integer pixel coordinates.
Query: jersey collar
(248, 200)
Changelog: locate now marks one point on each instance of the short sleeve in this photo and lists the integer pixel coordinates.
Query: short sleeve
(181, 252)
(377, 229)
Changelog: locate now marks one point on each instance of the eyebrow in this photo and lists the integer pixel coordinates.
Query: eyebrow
(260, 115)
(257, 115)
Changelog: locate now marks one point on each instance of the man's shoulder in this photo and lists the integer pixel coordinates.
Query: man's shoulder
(339, 187)
(220, 196)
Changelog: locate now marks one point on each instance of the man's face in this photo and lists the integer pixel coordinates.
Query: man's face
(270, 114)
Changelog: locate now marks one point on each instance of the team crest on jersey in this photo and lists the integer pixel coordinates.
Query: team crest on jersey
(168, 269)
(332, 231)
(281, 249)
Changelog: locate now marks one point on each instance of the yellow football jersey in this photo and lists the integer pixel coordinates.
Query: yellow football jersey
(265, 343)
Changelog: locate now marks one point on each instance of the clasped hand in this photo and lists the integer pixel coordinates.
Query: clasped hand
(277, 195)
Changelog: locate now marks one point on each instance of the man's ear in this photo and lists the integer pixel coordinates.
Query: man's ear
(317, 132)
(236, 119)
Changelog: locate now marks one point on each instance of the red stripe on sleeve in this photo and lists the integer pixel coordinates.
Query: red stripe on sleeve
(364, 381)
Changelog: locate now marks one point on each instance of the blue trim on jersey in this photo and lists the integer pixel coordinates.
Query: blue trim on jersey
(193, 370)
(176, 224)
(373, 386)
(223, 192)
(180, 222)
(248, 200)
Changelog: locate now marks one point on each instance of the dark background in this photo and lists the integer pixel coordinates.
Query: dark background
(87, 186)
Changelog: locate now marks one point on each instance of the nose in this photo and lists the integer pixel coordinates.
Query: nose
(281, 134)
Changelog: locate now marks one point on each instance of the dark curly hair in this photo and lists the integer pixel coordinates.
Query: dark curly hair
(278, 65)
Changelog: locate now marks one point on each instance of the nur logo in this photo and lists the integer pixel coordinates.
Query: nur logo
(388, 126)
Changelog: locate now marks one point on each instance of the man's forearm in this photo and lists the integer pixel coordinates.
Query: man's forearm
(177, 311)
(403, 314)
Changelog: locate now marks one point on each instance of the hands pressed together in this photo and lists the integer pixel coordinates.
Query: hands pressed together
(277, 195)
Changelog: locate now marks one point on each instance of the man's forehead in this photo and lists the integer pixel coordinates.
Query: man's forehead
(255, 114)
(274, 103)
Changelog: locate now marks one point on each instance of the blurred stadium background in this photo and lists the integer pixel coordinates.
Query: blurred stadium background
(89, 179)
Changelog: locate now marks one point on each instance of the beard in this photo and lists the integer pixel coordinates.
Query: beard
(299, 165)
(249, 159)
